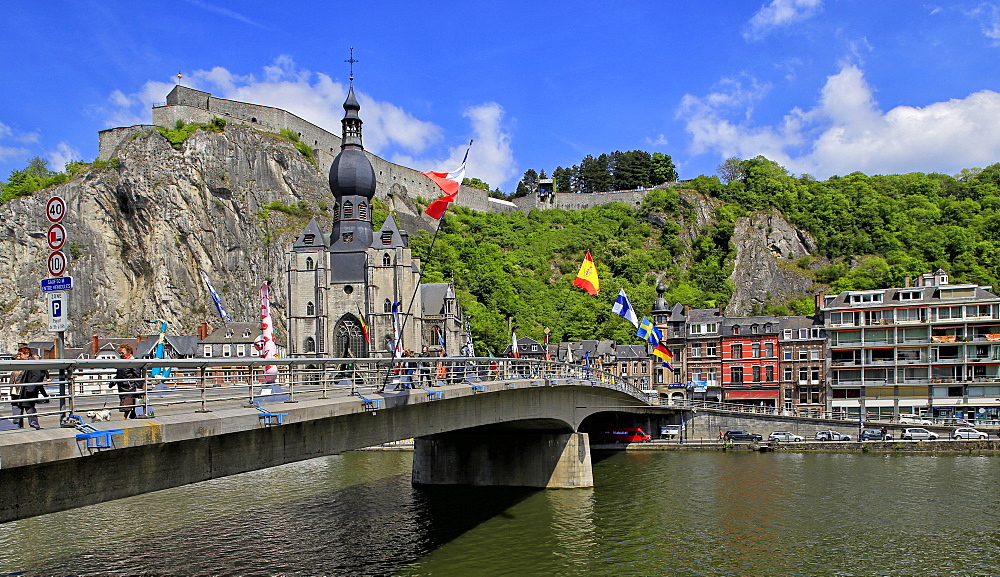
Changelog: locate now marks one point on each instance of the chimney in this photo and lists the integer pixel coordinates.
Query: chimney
(202, 331)
(820, 297)
(95, 345)
(907, 283)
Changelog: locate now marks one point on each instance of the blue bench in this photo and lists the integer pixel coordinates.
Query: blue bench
(510, 385)
(95, 438)
(98, 439)
(535, 383)
(432, 395)
(267, 418)
(369, 404)
(478, 388)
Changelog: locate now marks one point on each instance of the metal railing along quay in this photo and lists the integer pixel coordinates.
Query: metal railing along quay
(76, 386)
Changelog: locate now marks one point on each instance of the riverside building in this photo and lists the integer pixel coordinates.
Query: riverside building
(930, 350)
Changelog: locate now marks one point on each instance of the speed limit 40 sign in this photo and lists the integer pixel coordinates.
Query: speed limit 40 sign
(55, 209)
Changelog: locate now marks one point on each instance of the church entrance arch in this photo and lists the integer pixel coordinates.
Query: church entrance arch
(349, 339)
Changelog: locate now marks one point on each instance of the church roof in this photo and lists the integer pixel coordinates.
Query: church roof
(389, 235)
(433, 296)
(311, 237)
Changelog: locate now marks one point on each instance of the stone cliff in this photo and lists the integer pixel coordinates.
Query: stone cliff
(141, 229)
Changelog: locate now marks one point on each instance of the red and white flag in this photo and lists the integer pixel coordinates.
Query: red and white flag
(514, 352)
(265, 342)
(448, 182)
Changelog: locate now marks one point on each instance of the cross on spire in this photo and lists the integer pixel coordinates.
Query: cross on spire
(351, 61)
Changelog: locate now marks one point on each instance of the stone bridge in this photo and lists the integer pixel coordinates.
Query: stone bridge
(477, 421)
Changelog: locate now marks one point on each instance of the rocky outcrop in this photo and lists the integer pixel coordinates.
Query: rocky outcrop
(141, 229)
(765, 245)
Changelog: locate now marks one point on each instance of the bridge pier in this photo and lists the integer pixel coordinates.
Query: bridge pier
(508, 458)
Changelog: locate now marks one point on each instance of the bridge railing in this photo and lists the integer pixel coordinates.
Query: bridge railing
(811, 413)
(76, 386)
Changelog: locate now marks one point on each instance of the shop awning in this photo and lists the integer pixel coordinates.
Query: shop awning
(743, 395)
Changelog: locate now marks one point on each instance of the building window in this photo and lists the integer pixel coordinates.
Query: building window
(310, 345)
(310, 309)
(769, 349)
(241, 350)
(756, 374)
(788, 374)
(208, 350)
(644, 367)
(348, 209)
(246, 334)
(696, 350)
(386, 237)
(710, 350)
(756, 350)
(814, 354)
(309, 239)
(788, 334)
(736, 329)
(803, 354)
(737, 375)
(227, 350)
(788, 354)
(737, 351)
(386, 260)
(363, 211)
(754, 329)
(310, 265)
(624, 371)
(803, 374)
(387, 306)
(769, 372)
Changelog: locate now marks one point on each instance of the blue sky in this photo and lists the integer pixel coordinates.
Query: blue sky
(823, 87)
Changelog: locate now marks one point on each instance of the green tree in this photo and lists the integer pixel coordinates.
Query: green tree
(475, 183)
(663, 169)
(528, 184)
(731, 169)
(563, 178)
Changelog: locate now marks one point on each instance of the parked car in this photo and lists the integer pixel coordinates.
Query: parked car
(785, 436)
(626, 435)
(969, 433)
(741, 435)
(831, 436)
(917, 433)
(874, 435)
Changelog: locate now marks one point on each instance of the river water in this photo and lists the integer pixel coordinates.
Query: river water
(664, 513)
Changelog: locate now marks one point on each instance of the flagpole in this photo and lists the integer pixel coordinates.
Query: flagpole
(409, 308)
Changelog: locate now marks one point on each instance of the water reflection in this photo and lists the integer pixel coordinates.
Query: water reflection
(678, 513)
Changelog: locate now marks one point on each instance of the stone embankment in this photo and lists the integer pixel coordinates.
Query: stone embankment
(895, 446)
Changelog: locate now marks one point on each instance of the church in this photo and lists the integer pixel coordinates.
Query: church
(342, 285)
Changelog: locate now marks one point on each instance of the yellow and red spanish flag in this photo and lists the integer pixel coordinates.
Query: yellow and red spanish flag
(587, 277)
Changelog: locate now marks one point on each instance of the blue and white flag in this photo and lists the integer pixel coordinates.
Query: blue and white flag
(648, 332)
(215, 297)
(624, 308)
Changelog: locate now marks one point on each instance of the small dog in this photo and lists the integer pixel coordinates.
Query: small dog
(102, 415)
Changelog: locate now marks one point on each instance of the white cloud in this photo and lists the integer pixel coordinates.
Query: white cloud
(491, 158)
(780, 13)
(847, 131)
(14, 152)
(660, 140)
(988, 16)
(63, 154)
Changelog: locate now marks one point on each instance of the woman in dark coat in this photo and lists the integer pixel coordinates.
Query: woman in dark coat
(128, 380)
(31, 387)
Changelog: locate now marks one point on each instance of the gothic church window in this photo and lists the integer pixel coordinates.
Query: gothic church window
(386, 261)
(310, 265)
(349, 339)
(310, 345)
(310, 308)
(387, 306)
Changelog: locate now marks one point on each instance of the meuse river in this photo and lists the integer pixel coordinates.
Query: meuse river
(665, 513)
